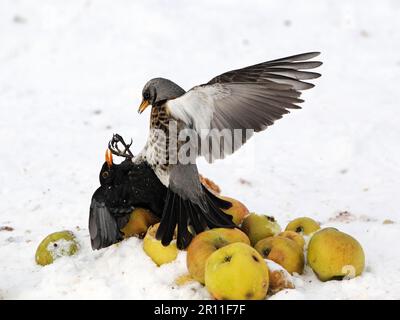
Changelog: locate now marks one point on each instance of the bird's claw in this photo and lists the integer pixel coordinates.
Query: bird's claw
(113, 147)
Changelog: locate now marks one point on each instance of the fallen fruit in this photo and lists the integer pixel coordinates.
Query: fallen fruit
(56, 245)
(156, 251)
(139, 221)
(209, 184)
(279, 278)
(205, 243)
(238, 210)
(303, 225)
(237, 272)
(296, 237)
(183, 279)
(258, 227)
(334, 255)
(283, 251)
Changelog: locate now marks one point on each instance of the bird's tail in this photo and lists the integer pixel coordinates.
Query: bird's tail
(187, 215)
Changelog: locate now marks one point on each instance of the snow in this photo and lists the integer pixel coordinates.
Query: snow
(71, 74)
(60, 248)
(273, 266)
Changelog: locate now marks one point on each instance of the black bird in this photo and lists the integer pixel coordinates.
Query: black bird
(123, 187)
(246, 99)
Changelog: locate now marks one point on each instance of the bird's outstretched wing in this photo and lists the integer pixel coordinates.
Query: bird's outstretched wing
(248, 100)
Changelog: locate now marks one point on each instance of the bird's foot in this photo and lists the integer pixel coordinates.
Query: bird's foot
(113, 146)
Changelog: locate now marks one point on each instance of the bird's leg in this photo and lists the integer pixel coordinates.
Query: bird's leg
(113, 146)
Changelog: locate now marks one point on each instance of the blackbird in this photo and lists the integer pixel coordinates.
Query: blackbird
(123, 187)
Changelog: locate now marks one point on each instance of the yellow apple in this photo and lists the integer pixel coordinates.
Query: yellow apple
(334, 255)
(205, 243)
(283, 251)
(303, 225)
(258, 227)
(296, 237)
(238, 211)
(139, 221)
(237, 272)
(56, 245)
(156, 251)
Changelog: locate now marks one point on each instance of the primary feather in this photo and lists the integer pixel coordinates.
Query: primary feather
(246, 99)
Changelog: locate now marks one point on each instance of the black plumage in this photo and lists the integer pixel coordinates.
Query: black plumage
(128, 185)
(191, 218)
(123, 187)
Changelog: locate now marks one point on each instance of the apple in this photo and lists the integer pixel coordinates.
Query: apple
(237, 272)
(183, 279)
(334, 255)
(296, 237)
(156, 251)
(56, 245)
(279, 278)
(209, 184)
(303, 225)
(139, 221)
(283, 251)
(238, 210)
(205, 243)
(258, 227)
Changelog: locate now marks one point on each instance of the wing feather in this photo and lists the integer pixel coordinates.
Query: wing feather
(103, 227)
(250, 98)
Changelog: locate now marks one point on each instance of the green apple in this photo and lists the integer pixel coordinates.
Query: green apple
(296, 237)
(258, 227)
(303, 225)
(334, 255)
(237, 272)
(283, 251)
(56, 245)
(156, 251)
(205, 243)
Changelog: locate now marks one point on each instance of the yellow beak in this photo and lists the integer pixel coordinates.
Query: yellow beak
(143, 105)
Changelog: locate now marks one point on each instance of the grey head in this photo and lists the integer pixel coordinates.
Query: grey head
(158, 90)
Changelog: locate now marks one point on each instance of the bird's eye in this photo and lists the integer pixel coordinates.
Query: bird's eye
(146, 95)
(105, 174)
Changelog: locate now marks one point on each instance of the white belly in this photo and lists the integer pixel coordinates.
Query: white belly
(155, 155)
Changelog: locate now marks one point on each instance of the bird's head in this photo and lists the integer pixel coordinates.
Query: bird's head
(107, 171)
(157, 91)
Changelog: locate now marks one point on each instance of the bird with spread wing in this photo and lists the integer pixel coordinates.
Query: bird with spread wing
(248, 99)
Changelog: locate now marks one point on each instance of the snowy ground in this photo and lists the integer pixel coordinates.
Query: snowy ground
(71, 74)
